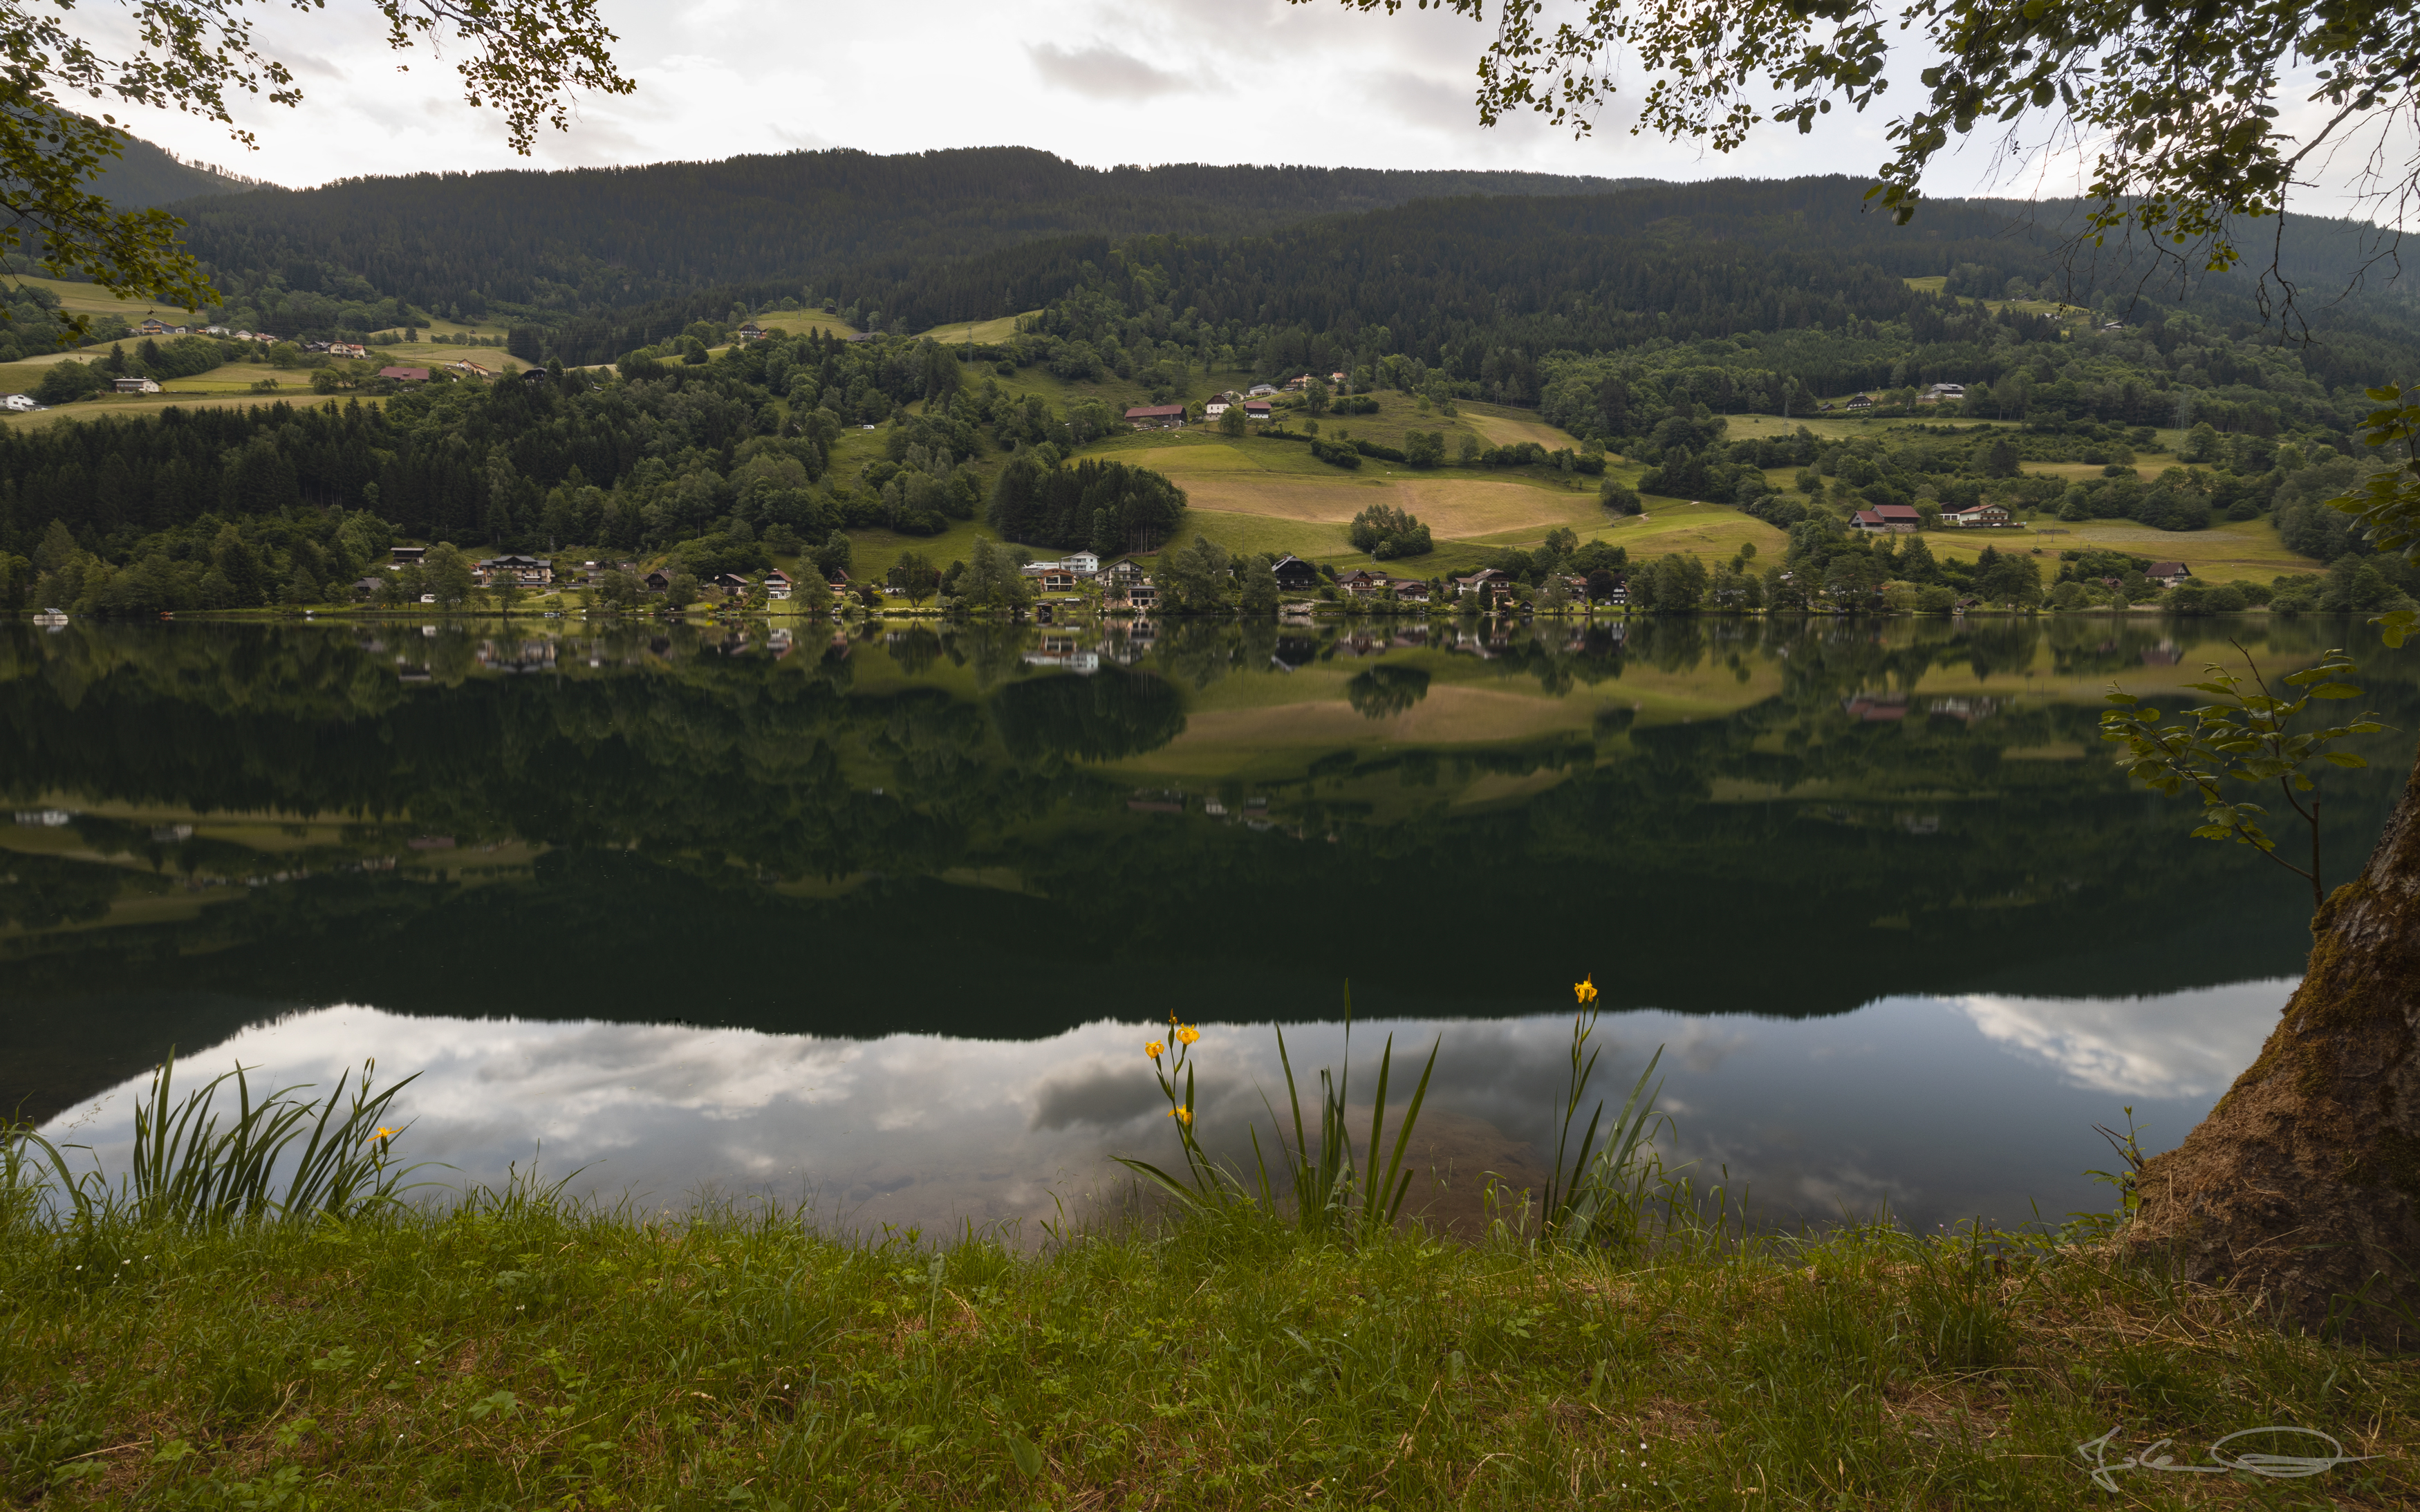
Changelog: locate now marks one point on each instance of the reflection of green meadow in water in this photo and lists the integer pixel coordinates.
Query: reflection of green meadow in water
(1006, 831)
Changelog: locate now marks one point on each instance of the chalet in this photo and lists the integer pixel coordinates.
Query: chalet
(530, 572)
(1218, 407)
(777, 586)
(1300, 382)
(348, 348)
(750, 331)
(1256, 410)
(1361, 583)
(152, 328)
(1156, 416)
(134, 385)
(1861, 401)
(1258, 390)
(2168, 574)
(1083, 564)
(18, 403)
(1618, 594)
(1124, 571)
(315, 346)
(405, 375)
(657, 580)
(1898, 517)
(409, 556)
(1294, 574)
(1943, 394)
(364, 587)
(1336, 378)
(1411, 590)
(1975, 515)
(1138, 594)
(1487, 582)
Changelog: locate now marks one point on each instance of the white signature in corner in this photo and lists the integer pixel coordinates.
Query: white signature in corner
(2273, 1466)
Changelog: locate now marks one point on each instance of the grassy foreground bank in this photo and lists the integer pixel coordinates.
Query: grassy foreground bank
(513, 1352)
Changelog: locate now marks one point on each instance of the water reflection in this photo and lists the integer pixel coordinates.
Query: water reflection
(1935, 1108)
(996, 835)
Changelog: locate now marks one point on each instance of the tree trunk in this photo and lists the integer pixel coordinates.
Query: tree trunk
(2304, 1183)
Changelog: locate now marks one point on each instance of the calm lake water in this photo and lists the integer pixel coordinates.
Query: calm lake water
(880, 922)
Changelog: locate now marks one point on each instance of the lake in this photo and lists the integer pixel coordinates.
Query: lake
(879, 920)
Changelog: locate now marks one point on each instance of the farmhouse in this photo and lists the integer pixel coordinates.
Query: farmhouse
(1294, 574)
(1258, 390)
(410, 556)
(750, 331)
(1942, 392)
(1411, 590)
(1360, 582)
(347, 348)
(18, 403)
(1256, 410)
(1156, 416)
(1861, 401)
(405, 375)
(153, 328)
(1898, 518)
(134, 385)
(1487, 583)
(2168, 574)
(777, 586)
(528, 571)
(1978, 515)
(1218, 407)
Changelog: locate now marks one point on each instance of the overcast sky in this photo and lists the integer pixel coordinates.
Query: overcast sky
(1147, 81)
(1237, 81)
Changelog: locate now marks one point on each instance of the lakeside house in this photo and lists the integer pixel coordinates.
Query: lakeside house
(1134, 594)
(1901, 518)
(657, 580)
(1361, 583)
(530, 572)
(1487, 582)
(133, 385)
(1083, 564)
(1410, 590)
(1156, 417)
(1294, 575)
(777, 586)
(2168, 574)
(1978, 516)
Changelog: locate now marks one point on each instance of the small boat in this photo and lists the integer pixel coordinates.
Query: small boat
(50, 616)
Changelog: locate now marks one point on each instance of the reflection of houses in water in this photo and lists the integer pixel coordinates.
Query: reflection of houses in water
(1875, 708)
(1973, 710)
(2163, 655)
(1065, 652)
(1920, 824)
(1297, 650)
(779, 643)
(516, 656)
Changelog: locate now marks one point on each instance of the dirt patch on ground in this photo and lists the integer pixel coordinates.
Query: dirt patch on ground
(1507, 430)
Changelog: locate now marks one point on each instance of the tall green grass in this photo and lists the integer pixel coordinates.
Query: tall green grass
(198, 1161)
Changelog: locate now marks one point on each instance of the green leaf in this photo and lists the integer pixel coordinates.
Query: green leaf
(2394, 628)
(2345, 759)
(2336, 691)
(1024, 1455)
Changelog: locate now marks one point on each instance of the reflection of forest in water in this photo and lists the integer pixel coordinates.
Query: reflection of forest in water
(1005, 831)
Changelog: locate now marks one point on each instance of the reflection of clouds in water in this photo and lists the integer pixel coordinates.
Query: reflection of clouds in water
(1913, 1101)
(2178, 1044)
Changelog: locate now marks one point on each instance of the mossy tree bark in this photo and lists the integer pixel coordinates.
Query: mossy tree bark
(2304, 1183)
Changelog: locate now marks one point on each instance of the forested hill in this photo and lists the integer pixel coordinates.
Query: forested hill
(145, 175)
(590, 238)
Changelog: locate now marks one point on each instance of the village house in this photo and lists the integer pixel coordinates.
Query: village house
(405, 375)
(1126, 571)
(1361, 583)
(2168, 574)
(1083, 564)
(730, 584)
(1259, 390)
(1294, 575)
(348, 348)
(777, 586)
(464, 365)
(750, 331)
(134, 385)
(152, 328)
(408, 556)
(1218, 407)
(1156, 417)
(530, 572)
(1256, 410)
(1487, 582)
(657, 580)
(18, 403)
(1410, 590)
(214, 331)
(1942, 393)
(1861, 401)
(1975, 515)
(1900, 517)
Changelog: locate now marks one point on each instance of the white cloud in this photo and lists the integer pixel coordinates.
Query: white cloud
(1103, 73)
(2188, 1045)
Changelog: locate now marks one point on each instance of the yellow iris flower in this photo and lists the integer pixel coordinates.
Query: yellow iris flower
(1186, 1034)
(1585, 991)
(1154, 1050)
(1184, 1115)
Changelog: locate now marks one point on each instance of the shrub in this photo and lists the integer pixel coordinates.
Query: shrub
(1620, 499)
